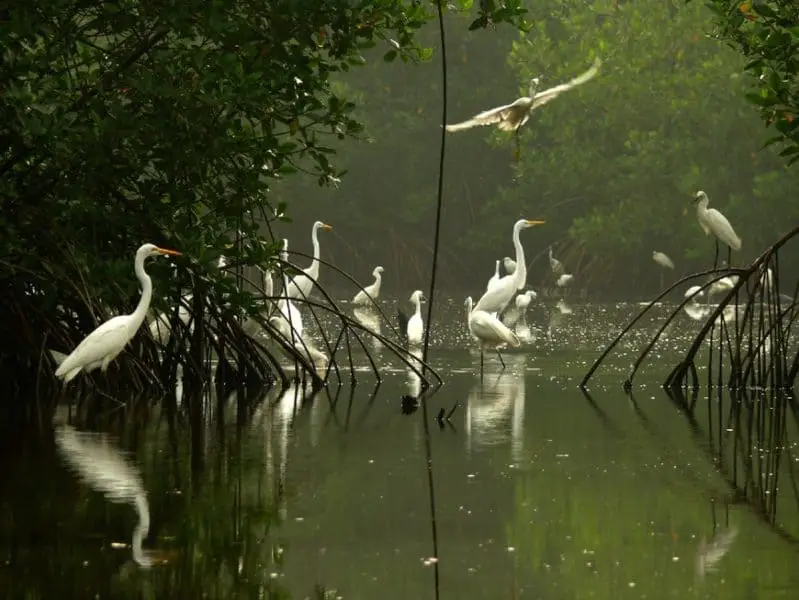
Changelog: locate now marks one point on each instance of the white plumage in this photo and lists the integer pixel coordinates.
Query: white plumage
(494, 278)
(555, 264)
(663, 260)
(373, 291)
(301, 285)
(415, 323)
(511, 117)
(509, 264)
(106, 342)
(489, 331)
(564, 280)
(498, 297)
(712, 221)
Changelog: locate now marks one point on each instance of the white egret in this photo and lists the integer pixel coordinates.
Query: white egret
(555, 264)
(160, 328)
(720, 286)
(509, 264)
(494, 278)
(522, 329)
(106, 342)
(289, 313)
(301, 285)
(712, 221)
(489, 332)
(694, 292)
(370, 292)
(104, 468)
(511, 117)
(304, 348)
(564, 280)
(512, 313)
(663, 260)
(413, 327)
(498, 297)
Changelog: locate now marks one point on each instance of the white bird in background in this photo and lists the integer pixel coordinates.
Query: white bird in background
(509, 264)
(513, 312)
(413, 326)
(105, 469)
(712, 221)
(555, 264)
(301, 285)
(494, 278)
(106, 342)
(564, 280)
(489, 332)
(694, 292)
(511, 117)
(160, 328)
(370, 292)
(498, 297)
(522, 303)
(289, 318)
(663, 260)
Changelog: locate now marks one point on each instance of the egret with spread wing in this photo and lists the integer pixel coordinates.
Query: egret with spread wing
(513, 116)
(106, 342)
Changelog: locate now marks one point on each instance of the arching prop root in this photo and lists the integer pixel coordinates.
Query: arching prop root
(747, 335)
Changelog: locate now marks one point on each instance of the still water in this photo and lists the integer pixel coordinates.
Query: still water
(539, 490)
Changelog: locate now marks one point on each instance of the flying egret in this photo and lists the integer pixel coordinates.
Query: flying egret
(489, 332)
(413, 327)
(564, 280)
(106, 342)
(371, 292)
(301, 285)
(494, 278)
(511, 117)
(509, 264)
(555, 264)
(104, 468)
(498, 297)
(663, 260)
(712, 221)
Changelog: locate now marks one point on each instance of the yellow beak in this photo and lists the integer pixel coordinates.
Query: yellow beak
(326, 226)
(169, 252)
(535, 222)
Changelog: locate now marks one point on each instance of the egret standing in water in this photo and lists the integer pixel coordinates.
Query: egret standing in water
(513, 116)
(489, 332)
(370, 293)
(555, 264)
(712, 221)
(497, 298)
(301, 285)
(106, 342)
(413, 327)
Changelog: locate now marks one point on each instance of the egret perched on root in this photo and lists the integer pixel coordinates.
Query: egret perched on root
(301, 285)
(513, 116)
(712, 221)
(555, 264)
(497, 298)
(412, 327)
(371, 292)
(509, 264)
(106, 342)
(489, 332)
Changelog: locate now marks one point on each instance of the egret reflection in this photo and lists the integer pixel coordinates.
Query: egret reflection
(495, 408)
(103, 467)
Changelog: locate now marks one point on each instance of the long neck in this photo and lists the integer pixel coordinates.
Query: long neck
(496, 270)
(313, 270)
(701, 207)
(469, 304)
(521, 267)
(378, 280)
(418, 306)
(146, 294)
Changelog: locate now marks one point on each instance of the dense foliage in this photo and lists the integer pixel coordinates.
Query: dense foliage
(611, 166)
(131, 122)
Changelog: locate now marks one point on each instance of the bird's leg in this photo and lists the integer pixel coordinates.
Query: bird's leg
(481, 364)
(716, 257)
(500, 360)
(729, 257)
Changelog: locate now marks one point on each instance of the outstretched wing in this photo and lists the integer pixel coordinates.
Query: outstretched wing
(546, 96)
(402, 320)
(507, 117)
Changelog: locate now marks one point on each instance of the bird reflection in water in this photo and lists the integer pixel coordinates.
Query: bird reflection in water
(495, 408)
(710, 553)
(103, 467)
(370, 319)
